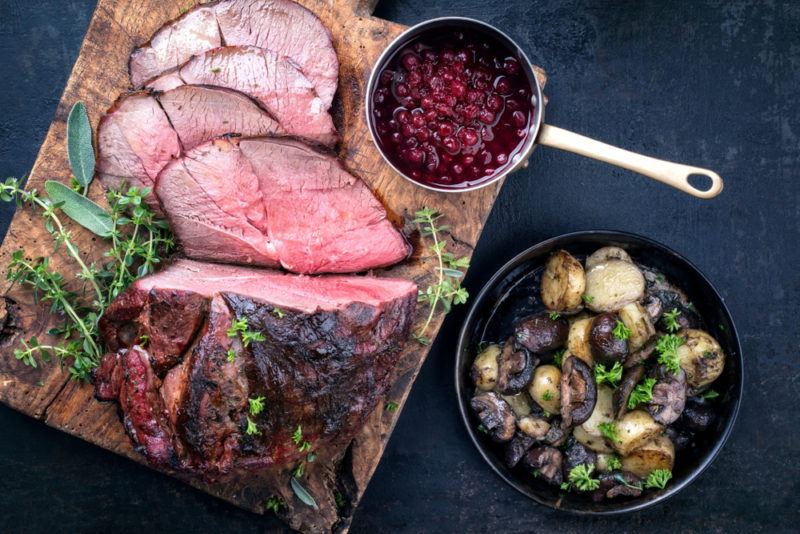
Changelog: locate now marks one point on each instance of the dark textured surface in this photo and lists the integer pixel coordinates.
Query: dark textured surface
(712, 83)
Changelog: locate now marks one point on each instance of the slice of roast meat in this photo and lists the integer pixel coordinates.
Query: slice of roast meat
(141, 132)
(275, 82)
(330, 345)
(282, 26)
(276, 202)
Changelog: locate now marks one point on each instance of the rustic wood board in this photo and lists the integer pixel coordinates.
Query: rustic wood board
(98, 77)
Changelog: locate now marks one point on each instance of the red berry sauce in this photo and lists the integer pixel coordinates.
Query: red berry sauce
(452, 110)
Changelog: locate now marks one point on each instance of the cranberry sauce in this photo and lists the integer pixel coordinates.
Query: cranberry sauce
(452, 110)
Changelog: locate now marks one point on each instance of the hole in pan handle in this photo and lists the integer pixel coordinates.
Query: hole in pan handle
(675, 174)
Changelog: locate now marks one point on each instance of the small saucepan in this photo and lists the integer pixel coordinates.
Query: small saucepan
(427, 125)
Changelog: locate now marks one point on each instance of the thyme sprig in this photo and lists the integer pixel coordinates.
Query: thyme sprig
(447, 290)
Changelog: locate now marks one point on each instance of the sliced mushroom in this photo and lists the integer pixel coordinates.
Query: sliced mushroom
(669, 397)
(697, 416)
(630, 378)
(556, 436)
(612, 284)
(495, 415)
(547, 463)
(517, 447)
(578, 339)
(606, 253)
(545, 389)
(484, 368)
(563, 282)
(702, 359)
(618, 484)
(533, 426)
(578, 392)
(514, 369)
(520, 403)
(681, 439)
(638, 321)
(606, 347)
(541, 333)
(653, 306)
(575, 455)
(641, 355)
(603, 411)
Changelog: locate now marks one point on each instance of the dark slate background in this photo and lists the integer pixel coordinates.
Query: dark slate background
(708, 82)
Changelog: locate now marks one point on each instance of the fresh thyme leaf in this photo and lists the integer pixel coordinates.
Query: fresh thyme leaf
(642, 393)
(303, 494)
(447, 290)
(252, 428)
(710, 394)
(274, 504)
(611, 376)
(249, 336)
(80, 209)
(256, 405)
(546, 414)
(558, 357)
(299, 470)
(658, 479)
(621, 331)
(564, 486)
(80, 152)
(391, 406)
(588, 299)
(482, 429)
(231, 355)
(297, 437)
(554, 315)
(581, 477)
(667, 348)
(278, 312)
(304, 447)
(671, 320)
(238, 326)
(609, 431)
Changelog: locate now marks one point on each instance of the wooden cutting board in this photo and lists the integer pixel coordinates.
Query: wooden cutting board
(98, 77)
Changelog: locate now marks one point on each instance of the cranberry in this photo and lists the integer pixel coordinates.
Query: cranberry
(446, 128)
(474, 97)
(430, 115)
(418, 121)
(462, 56)
(401, 89)
(471, 111)
(519, 119)
(415, 156)
(403, 116)
(487, 134)
(392, 124)
(511, 66)
(486, 157)
(468, 136)
(486, 116)
(414, 78)
(502, 85)
(410, 61)
(448, 55)
(423, 135)
(468, 160)
(411, 142)
(427, 102)
(396, 138)
(494, 102)
(457, 168)
(458, 89)
(386, 77)
(501, 158)
(408, 130)
(430, 56)
(451, 144)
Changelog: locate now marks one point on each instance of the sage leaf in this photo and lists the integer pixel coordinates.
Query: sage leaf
(79, 208)
(303, 494)
(79, 145)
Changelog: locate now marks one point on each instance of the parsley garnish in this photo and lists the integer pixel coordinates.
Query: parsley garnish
(547, 395)
(274, 504)
(546, 414)
(609, 431)
(642, 393)
(671, 320)
(278, 312)
(667, 348)
(614, 463)
(621, 331)
(658, 479)
(239, 327)
(299, 470)
(611, 376)
(252, 428)
(558, 357)
(581, 477)
(297, 437)
(710, 394)
(554, 315)
(305, 446)
(231, 355)
(256, 405)
(391, 406)
(588, 299)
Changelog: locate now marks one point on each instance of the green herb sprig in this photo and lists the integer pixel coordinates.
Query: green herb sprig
(136, 240)
(620, 331)
(241, 328)
(658, 479)
(671, 320)
(667, 348)
(609, 431)
(612, 376)
(447, 290)
(581, 477)
(642, 393)
(274, 504)
(614, 463)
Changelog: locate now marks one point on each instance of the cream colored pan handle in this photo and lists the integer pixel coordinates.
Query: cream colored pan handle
(674, 174)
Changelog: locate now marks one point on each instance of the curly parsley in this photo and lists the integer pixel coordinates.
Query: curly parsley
(658, 479)
(620, 331)
(609, 431)
(642, 393)
(581, 477)
(611, 376)
(671, 320)
(256, 405)
(667, 348)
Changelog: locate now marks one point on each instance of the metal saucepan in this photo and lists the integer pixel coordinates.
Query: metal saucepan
(673, 174)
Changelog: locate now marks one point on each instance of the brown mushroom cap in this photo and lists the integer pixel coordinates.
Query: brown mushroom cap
(495, 415)
(631, 377)
(578, 392)
(606, 348)
(548, 461)
(540, 333)
(641, 355)
(514, 369)
(617, 484)
(669, 397)
(517, 447)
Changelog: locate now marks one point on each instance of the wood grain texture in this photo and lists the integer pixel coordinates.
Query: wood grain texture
(98, 77)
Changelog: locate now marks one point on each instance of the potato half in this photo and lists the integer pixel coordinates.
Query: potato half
(603, 411)
(702, 359)
(596, 443)
(578, 340)
(634, 429)
(545, 388)
(484, 368)
(612, 284)
(636, 318)
(520, 403)
(606, 253)
(563, 282)
(658, 453)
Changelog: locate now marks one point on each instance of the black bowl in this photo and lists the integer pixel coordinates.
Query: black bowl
(508, 295)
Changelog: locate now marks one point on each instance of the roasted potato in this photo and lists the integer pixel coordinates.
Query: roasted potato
(702, 359)
(484, 368)
(606, 253)
(634, 429)
(520, 403)
(603, 411)
(602, 462)
(545, 388)
(563, 282)
(637, 320)
(596, 443)
(658, 453)
(578, 339)
(534, 427)
(612, 284)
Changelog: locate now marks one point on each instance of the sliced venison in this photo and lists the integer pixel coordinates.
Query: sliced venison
(276, 202)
